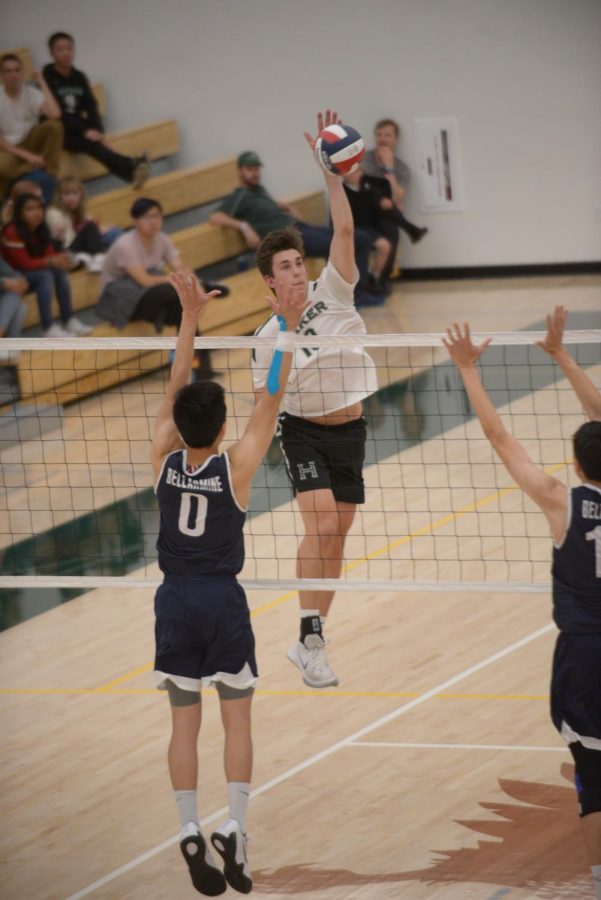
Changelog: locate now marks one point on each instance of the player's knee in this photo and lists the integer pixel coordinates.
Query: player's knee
(180, 697)
(226, 692)
(328, 525)
(588, 778)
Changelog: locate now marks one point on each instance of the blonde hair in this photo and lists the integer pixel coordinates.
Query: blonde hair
(78, 214)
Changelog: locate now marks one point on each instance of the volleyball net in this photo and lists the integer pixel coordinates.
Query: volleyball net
(77, 507)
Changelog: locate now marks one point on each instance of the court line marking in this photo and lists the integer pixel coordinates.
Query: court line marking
(265, 692)
(328, 751)
(405, 745)
(353, 564)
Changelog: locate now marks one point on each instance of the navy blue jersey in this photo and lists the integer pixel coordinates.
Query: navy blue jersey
(577, 565)
(201, 522)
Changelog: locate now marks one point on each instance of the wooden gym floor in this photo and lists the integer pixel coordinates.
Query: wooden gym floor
(433, 771)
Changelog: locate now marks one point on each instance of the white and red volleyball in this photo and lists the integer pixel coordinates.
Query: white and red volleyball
(339, 149)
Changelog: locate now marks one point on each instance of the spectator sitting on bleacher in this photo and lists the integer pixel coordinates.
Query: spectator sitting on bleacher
(382, 162)
(27, 247)
(374, 210)
(135, 286)
(365, 206)
(21, 186)
(13, 308)
(27, 144)
(71, 229)
(253, 211)
(83, 126)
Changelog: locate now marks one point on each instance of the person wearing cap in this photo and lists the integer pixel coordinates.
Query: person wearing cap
(252, 210)
(134, 282)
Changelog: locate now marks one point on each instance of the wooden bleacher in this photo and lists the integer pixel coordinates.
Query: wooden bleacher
(200, 245)
(159, 139)
(66, 376)
(175, 191)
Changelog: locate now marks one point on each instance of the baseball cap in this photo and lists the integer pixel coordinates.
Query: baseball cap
(249, 158)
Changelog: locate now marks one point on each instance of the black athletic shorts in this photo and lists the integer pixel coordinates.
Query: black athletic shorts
(576, 685)
(324, 456)
(203, 632)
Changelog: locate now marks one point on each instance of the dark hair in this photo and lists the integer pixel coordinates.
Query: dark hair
(385, 123)
(59, 36)
(36, 241)
(10, 57)
(587, 449)
(199, 412)
(142, 205)
(276, 241)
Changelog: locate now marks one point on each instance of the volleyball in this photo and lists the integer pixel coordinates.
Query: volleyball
(339, 149)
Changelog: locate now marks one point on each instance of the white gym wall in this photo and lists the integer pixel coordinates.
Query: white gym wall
(523, 77)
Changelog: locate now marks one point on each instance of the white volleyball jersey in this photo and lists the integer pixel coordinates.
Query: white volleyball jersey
(323, 379)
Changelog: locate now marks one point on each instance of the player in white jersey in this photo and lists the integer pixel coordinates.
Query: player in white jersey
(574, 519)
(322, 429)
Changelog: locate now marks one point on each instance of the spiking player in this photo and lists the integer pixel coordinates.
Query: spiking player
(322, 431)
(574, 518)
(203, 632)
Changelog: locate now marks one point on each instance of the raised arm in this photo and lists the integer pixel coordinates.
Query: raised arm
(585, 390)
(342, 249)
(193, 302)
(547, 492)
(248, 453)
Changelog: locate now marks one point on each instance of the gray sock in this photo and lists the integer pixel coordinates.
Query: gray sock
(187, 805)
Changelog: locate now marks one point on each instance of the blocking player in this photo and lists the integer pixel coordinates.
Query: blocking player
(322, 430)
(574, 518)
(203, 632)
(585, 390)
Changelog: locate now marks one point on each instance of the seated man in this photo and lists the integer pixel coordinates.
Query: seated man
(254, 212)
(84, 131)
(374, 211)
(392, 173)
(26, 144)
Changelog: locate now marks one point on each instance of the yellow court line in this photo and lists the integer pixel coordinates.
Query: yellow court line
(349, 567)
(262, 692)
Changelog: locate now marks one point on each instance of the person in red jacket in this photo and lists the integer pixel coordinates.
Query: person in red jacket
(27, 247)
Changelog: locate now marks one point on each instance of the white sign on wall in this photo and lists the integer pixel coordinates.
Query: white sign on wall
(440, 176)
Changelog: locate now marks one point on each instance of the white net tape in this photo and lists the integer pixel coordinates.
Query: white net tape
(440, 514)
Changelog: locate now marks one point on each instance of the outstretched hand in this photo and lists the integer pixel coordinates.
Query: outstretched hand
(553, 339)
(330, 117)
(192, 298)
(290, 303)
(462, 350)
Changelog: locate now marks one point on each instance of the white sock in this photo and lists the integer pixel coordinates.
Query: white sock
(238, 793)
(187, 805)
(309, 612)
(596, 870)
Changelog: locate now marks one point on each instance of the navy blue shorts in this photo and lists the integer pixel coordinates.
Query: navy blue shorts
(324, 456)
(576, 688)
(203, 633)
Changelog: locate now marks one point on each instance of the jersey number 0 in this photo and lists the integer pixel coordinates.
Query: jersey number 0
(192, 514)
